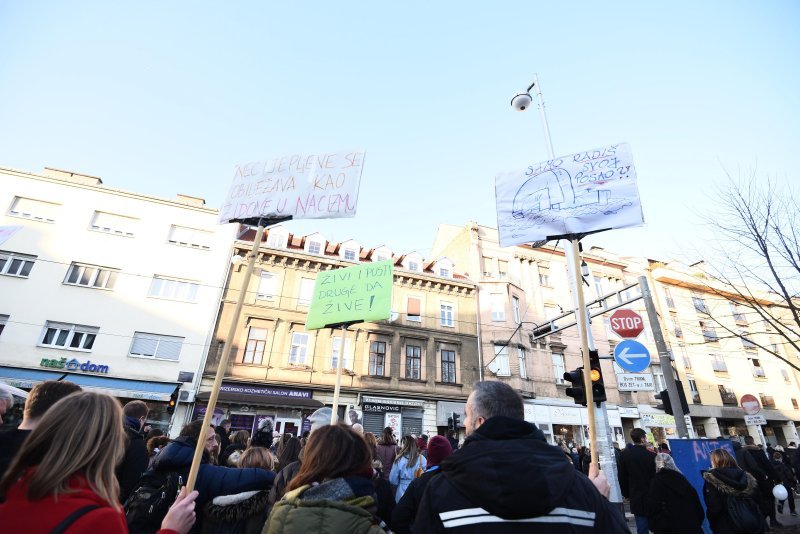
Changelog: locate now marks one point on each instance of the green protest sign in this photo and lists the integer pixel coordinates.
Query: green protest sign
(352, 295)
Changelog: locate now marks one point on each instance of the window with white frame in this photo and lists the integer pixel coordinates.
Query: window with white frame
(502, 268)
(267, 286)
(414, 362)
(256, 344)
(414, 309)
(785, 375)
(448, 366)
(515, 309)
(315, 247)
(306, 291)
(277, 238)
(693, 390)
(68, 336)
(81, 274)
(687, 361)
(336, 344)
(350, 254)
(380, 256)
(757, 368)
(446, 314)
(523, 369)
(558, 367)
(173, 289)
(501, 357)
(13, 264)
(112, 223)
(3, 322)
(544, 275)
(718, 363)
(445, 272)
(488, 267)
(658, 378)
(36, 210)
(184, 236)
(298, 349)
(146, 345)
(498, 302)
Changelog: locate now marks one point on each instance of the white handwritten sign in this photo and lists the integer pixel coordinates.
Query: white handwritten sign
(575, 194)
(297, 186)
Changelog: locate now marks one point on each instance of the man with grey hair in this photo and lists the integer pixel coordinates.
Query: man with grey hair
(6, 403)
(507, 478)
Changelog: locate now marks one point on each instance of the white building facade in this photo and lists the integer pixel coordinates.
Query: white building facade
(112, 290)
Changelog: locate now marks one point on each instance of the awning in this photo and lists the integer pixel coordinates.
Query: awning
(265, 400)
(118, 387)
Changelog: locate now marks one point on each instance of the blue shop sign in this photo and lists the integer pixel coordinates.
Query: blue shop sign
(73, 365)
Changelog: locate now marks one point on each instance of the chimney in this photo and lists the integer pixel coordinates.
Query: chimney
(74, 177)
(191, 201)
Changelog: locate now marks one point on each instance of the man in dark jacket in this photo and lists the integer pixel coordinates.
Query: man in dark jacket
(135, 461)
(505, 477)
(753, 460)
(637, 467)
(223, 430)
(404, 513)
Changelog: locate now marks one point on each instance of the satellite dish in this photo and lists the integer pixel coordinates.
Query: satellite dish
(493, 366)
(394, 316)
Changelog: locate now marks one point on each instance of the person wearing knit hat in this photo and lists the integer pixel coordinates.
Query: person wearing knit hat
(405, 511)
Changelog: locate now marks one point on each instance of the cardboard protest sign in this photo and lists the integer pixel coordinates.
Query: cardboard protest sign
(355, 294)
(575, 194)
(295, 186)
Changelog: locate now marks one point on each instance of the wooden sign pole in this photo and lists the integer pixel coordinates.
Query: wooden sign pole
(335, 408)
(223, 361)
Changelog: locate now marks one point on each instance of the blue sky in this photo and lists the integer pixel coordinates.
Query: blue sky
(164, 98)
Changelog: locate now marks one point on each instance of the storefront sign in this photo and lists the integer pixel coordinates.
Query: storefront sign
(628, 413)
(635, 382)
(755, 420)
(411, 403)
(614, 419)
(265, 391)
(73, 365)
(565, 415)
(658, 420)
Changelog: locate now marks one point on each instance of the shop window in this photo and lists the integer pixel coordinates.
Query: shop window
(377, 358)
(80, 274)
(173, 289)
(111, 223)
(256, 344)
(449, 366)
(413, 362)
(36, 210)
(298, 349)
(69, 336)
(156, 346)
(13, 264)
(523, 370)
(498, 303)
(414, 309)
(306, 292)
(336, 343)
(446, 314)
(267, 286)
(501, 357)
(183, 236)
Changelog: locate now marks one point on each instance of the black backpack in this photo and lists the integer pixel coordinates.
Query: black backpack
(745, 514)
(147, 506)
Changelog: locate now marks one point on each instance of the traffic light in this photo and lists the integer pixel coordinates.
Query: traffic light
(666, 402)
(598, 387)
(173, 400)
(456, 421)
(450, 424)
(577, 391)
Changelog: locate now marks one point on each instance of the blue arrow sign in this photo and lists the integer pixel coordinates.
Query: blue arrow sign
(632, 356)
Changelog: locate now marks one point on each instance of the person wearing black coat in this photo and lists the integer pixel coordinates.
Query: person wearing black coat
(788, 480)
(753, 460)
(672, 503)
(637, 467)
(135, 461)
(724, 481)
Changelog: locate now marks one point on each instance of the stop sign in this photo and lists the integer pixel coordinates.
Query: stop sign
(750, 404)
(626, 323)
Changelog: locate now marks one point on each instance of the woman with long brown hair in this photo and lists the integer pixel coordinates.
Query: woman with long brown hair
(332, 492)
(408, 465)
(289, 453)
(387, 451)
(63, 477)
(724, 482)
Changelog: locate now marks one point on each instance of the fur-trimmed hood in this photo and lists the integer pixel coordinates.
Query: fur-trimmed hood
(731, 481)
(234, 508)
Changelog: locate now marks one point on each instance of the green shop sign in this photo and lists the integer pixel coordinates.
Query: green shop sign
(73, 365)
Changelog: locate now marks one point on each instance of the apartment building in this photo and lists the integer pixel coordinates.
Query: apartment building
(410, 372)
(116, 291)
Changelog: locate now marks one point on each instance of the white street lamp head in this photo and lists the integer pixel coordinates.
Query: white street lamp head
(521, 102)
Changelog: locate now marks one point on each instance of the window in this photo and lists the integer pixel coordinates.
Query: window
(794, 404)
(607, 325)
(350, 254)
(498, 302)
(314, 247)
(156, 346)
(69, 336)
(501, 357)
(190, 237)
(699, 304)
(306, 292)
(515, 308)
(559, 368)
(502, 267)
(676, 327)
(709, 333)
(746, 343)
(413, 309)
(170, 288)
(668, 298)
(267, 286)
(377, 357)
(523, 370)
(380, 256)
(738, 313)
(758, 370)
(413, 361)
(256, 343)
(687, 362)
(444, 272)
(544, 275)
(277, 239)
(693, 390)
(449, 366)
(413, 266)
(336, 343)
(111, 223)
(488, 267)
(91, 276)
(658, 378)
(297, 352)
(3, 323)
(446, 314)
(13, 264)
(785, 375)
(766, 400)
(728, 396)
(598, 287)
(37, 210)
(718, 363)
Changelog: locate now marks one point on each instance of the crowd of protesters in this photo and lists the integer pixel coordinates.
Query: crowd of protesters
(79, 462)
